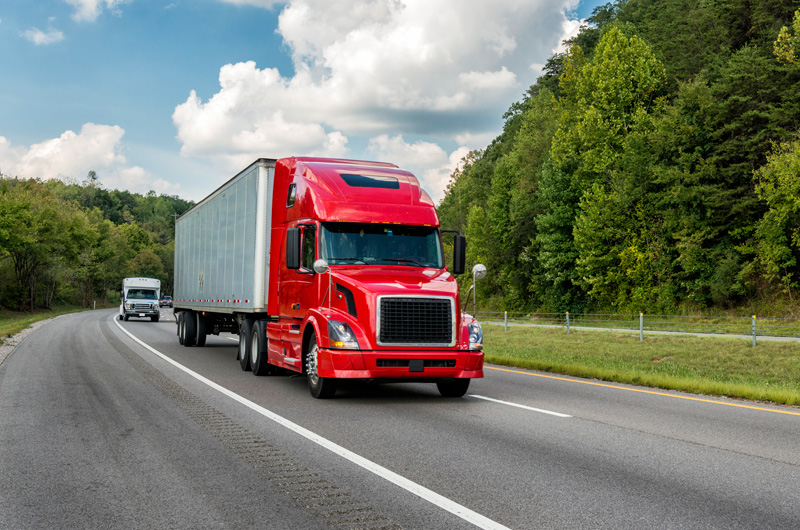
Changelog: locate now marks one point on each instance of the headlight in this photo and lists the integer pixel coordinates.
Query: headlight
(475, 336)
(341, 336)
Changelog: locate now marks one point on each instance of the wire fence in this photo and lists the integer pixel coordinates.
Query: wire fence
(750, 326)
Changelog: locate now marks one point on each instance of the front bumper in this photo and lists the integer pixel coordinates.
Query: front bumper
(142, 313)
(400, 365)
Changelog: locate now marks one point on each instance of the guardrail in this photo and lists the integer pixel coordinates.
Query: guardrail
(750, 327)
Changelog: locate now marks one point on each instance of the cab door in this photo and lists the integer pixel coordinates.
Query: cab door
(299, 293)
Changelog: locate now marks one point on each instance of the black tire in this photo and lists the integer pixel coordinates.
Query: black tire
(189, 323)
(200, 338)
(179, 327)
(125, 318)
(120, 317)
(320, 387)
(259, 358)
(245, 338)
(454, 388)
(154, 318)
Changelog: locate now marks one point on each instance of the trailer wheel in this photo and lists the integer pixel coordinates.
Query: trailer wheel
(320, 387)
(245, 337)
(259, 358)
(200, 338)
(179, 322)
(454, 388)
(189, 324)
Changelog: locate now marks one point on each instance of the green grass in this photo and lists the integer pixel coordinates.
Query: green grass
(720, 366)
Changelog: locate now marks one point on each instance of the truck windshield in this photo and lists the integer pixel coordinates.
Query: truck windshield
(142, 294)
(369, 243)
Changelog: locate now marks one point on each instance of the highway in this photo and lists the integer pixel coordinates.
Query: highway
(109, 424)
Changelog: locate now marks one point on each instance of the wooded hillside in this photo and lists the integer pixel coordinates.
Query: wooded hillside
(655, 167)
(72, 243)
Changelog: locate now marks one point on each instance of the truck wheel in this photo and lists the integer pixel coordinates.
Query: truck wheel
(189, 323)
(125, 318)
(180, 331)
(154, 318)
(259, 358)
(245, 338)
(200, 338)
(454, 388)
(120, 317)
(320, 387)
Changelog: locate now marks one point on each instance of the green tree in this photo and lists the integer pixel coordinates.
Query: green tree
(788, 41)
(778, 232)
(147, 264)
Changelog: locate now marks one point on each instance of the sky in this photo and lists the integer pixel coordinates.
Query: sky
(177, 96)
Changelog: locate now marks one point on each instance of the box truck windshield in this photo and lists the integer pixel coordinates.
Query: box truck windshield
(142, 294)
(384, 244)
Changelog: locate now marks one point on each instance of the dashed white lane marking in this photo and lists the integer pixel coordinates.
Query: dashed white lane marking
(550, 412)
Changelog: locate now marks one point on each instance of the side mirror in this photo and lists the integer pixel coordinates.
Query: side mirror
(293, 248)
(459, 254)
(320, 266)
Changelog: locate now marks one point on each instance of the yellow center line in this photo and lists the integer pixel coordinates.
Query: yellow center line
(644, 391)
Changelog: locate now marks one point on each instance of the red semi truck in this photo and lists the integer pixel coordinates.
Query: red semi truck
(327, 267)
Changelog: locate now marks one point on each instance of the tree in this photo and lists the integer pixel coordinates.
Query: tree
(608, 107)
(788, 41)
(778, 232)
(147, 264)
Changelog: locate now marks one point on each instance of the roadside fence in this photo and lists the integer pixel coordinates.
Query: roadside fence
(750, 327)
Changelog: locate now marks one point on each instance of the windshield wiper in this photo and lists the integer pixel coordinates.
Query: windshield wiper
(401, 260)
(354, 260)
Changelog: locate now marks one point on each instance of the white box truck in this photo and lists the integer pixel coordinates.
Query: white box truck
(140, 298)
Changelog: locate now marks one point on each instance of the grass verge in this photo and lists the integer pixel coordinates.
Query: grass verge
(718, 366)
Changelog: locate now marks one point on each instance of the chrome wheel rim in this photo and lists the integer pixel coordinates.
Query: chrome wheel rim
(254, 348)
(311, 365)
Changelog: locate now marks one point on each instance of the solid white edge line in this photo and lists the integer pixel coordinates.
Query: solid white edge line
(560, 415)
(412, 487)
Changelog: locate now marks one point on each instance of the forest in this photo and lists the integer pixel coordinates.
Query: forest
(655, 167)
(72, 243)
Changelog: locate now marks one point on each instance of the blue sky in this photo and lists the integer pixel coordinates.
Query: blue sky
(177, 96)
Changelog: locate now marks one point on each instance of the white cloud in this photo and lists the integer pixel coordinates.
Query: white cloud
(89, 10)
(428, 161)
(438, 69)
(569, 29)
(489, 80)
(72, 155)
(40, 38)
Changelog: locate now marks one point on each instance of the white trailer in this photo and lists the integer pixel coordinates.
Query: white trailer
(140, 298)
(222, 254)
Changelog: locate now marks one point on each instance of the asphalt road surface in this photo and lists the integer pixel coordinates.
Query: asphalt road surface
(109, 424)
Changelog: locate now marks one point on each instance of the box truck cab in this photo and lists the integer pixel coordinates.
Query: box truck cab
(140, 298)
(351, 275)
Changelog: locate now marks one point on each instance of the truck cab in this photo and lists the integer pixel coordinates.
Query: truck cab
(363, 290)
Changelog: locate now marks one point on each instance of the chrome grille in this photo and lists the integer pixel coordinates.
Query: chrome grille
(416, 321)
